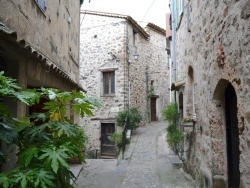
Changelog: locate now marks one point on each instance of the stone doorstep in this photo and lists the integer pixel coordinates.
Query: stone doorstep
(175, 161)
(76, 169)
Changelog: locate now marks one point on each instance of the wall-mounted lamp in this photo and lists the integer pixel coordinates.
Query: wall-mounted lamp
(136, 55)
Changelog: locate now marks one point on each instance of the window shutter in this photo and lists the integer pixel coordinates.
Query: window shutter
(188, 19)
(42, 4)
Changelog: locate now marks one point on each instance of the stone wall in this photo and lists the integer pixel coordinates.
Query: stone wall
(102, 34)
(54, 32)
(216, 50)
(99, 36)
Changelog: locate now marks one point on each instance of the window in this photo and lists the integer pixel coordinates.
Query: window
(178, 12)
(109, 83)
(134, 37)
(42, 4)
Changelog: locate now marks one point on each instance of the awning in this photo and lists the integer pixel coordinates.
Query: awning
(176, 85)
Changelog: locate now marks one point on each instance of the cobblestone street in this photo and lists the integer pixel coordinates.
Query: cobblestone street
(146, 165)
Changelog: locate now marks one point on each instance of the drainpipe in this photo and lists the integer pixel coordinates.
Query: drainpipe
(170, 78)
(147, 92)
(173, 53)
(129, 85)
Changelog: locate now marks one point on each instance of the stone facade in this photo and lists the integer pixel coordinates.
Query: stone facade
(54, 32)
(212, 54)
(103, 34)
(39, 47)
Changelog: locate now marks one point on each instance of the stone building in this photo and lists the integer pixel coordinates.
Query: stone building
(108, 70)
(39, 47)
(211, 42)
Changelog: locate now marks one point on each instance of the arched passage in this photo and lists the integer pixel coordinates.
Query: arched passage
(190, 93)
(181, 105)
(232, 137)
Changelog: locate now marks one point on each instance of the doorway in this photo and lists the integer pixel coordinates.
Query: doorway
(181, 105)
(107, 147)
(232, 137)
(153, 109)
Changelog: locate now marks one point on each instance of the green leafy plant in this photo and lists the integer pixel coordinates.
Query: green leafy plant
(44, 150)
(175, 137)
(151, 91)
(117, 139)
(171, 114)
(133, 115)
(187, 119)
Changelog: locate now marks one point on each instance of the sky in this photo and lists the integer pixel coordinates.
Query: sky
(153, 11)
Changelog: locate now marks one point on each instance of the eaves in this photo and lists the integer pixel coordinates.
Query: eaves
(129, 19)
(35, 54)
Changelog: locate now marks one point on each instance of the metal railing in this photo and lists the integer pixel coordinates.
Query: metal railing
(125, 127)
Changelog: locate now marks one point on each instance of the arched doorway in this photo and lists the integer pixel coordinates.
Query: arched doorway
(189, 93)
(181, 105)
(232, 137)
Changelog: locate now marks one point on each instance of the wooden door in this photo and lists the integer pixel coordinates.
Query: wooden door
(107, 147)
(232, 133)
(153, 109)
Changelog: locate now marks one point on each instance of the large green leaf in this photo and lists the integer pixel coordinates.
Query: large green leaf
(22, 178)
(8, 86)
(55, 156)
(65, 129)
(44, 179)
(21, 123)
(7, 134)
(26, 155)
(4, 180)
(29, 97)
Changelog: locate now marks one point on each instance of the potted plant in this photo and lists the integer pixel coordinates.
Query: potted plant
(187, 122)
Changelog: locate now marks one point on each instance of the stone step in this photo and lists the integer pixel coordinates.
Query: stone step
(175, 161)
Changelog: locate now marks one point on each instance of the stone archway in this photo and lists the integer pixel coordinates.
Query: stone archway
(232, 132)
(224, 136)
(189, 93)
(181, 105)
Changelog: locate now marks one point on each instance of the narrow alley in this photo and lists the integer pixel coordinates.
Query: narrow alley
(146, 164)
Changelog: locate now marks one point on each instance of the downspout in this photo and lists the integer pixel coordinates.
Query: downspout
(147, 92)
(170, 78)
(128, 64)
(173, 53)
(125, 61)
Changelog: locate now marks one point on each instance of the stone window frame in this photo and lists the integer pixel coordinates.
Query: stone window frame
(107, 70)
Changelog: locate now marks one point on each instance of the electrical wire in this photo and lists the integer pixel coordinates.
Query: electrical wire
(147, 11)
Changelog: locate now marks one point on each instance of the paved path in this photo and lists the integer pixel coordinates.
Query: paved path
(147, 165)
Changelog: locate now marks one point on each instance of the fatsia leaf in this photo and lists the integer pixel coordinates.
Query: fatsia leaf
(8, 86)
(68, 129)
(7, 134)
(21, 177)
(44, 178)
(29, 97)
(56, 157)
(55, 116)
(51, 94)
(26, 156)
(21, 123)
(51, 106)
(37, 132)
(4, 180)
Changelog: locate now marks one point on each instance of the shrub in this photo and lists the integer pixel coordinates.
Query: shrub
(43, 151)
(171, 114)
(133, 115)
(117, 139)
(175, 137)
